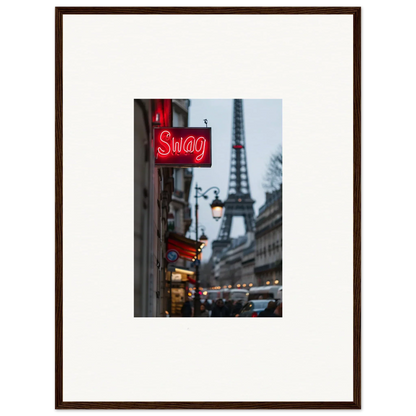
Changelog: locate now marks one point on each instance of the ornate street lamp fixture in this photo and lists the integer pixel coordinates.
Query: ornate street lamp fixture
(203, 238)
(217, 206)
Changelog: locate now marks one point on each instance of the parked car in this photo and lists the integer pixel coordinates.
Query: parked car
(253, 308)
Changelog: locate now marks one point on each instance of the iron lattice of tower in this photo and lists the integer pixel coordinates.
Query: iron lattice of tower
(239, 202)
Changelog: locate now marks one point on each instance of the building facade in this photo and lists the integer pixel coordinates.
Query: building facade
(269, 243)
(153, 189)
(234, 266)
(160, 206)
(180, 218)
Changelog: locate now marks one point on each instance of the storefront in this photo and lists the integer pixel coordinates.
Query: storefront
(179, 279)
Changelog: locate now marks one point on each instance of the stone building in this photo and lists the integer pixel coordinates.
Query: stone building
(160, 205)
(153, 189)
(234, 266)
(180, 216)
(268, 236)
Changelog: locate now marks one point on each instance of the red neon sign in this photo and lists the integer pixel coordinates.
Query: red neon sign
(182, 146)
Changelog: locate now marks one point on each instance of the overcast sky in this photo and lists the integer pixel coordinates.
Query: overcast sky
(263, 133)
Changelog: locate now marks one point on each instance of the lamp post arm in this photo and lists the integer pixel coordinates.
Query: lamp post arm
(217, 191)
(200, 227)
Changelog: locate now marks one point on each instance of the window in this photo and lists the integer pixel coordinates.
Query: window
(177, 177)
(178, 119)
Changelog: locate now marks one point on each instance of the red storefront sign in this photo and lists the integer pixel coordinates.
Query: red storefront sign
(186, 248)
(182, 146)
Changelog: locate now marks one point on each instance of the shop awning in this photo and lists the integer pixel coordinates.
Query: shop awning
(186, 247)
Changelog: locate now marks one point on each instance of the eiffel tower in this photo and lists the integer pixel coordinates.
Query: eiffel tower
(239, 202)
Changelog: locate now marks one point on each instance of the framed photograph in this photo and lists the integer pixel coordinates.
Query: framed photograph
(172, 125)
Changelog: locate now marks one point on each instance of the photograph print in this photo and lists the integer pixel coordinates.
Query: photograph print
(208, 208)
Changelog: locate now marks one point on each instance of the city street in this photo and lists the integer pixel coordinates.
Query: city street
(209, 216)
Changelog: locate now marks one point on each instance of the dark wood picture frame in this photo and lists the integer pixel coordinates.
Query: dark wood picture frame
(59, 403)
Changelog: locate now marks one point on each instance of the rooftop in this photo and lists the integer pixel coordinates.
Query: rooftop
(271, 197)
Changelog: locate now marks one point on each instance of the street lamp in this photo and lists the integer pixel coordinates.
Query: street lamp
(216, 207)
(203, 238)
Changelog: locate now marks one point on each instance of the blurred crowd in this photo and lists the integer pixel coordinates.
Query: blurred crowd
(229, 308)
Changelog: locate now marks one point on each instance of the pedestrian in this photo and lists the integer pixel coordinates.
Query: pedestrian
(207, 304)
(237, 308)
(279, 310)
(204, 313)
(229, 304)
(220, 310)
(269, 311)
(186, 309)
